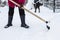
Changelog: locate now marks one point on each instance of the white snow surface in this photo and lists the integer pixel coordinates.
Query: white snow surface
(37, 29)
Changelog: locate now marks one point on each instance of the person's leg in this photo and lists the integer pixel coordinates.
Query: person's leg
(39, 9)
(10, 17)
(22, 16)
(38, 6)
(35, 7)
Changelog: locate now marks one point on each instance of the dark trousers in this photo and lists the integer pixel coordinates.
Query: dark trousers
(37, 6)
(11, 11)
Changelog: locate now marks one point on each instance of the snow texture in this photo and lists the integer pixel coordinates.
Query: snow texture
(37, 30)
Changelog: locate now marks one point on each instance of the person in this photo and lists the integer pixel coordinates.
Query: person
(5, 3)
(37, 5)
(0, 2)
(21, 13)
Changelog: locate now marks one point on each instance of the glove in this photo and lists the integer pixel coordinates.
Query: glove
(21, 5)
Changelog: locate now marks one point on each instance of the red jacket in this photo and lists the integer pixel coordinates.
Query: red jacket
(17, 1)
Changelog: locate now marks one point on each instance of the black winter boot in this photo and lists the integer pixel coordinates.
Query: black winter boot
(9, 22)
(23, 24)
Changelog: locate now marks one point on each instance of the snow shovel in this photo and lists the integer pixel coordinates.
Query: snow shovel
(32, 14)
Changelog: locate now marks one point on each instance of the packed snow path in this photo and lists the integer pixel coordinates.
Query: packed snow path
(37, 30)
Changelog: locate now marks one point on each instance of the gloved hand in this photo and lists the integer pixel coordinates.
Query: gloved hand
(21, 5)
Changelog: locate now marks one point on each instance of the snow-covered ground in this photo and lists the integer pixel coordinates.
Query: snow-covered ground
(37, 30)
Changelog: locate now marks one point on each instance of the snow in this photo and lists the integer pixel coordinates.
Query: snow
(37, 30)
